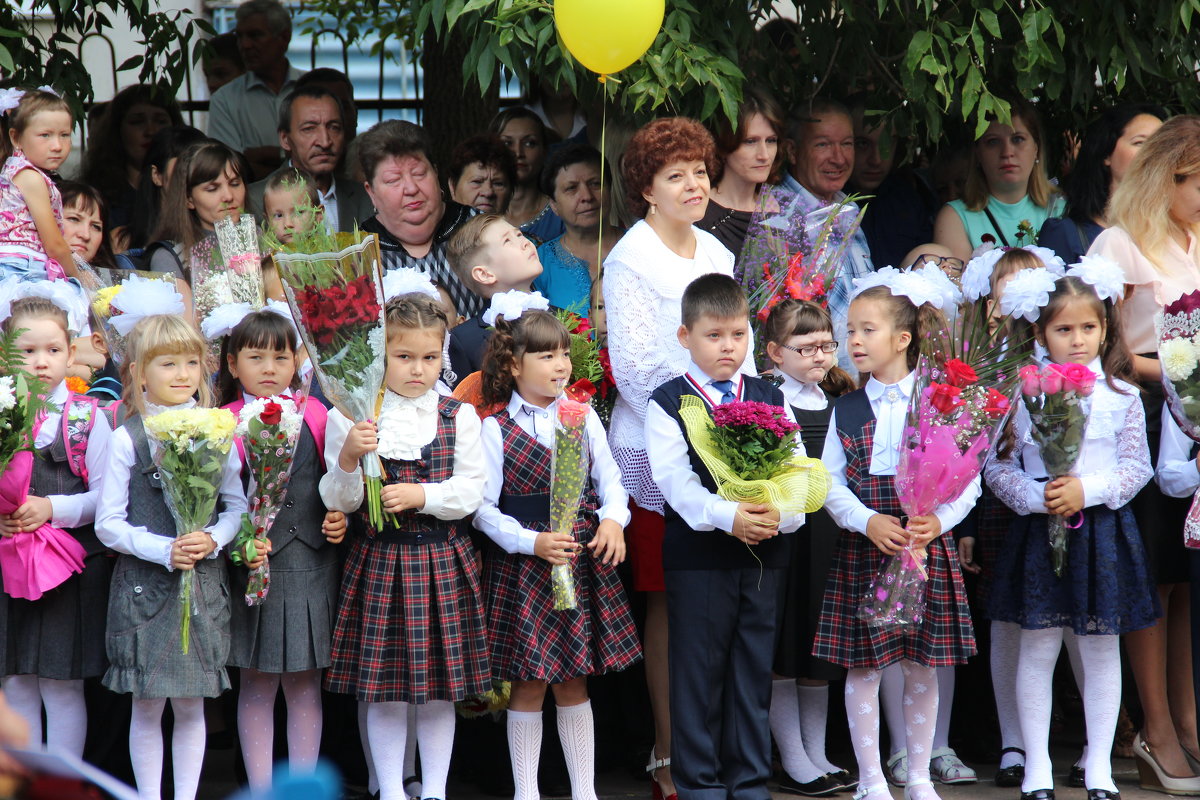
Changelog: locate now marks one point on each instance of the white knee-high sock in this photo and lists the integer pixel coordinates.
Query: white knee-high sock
(920, 719)
(862, 716)
(784, 717)
(1035, 675)
(435, 738)
(24, 695)
(256, 724)
(891, 700)
(66, 715)
(578, 738)
(146, 747)
(1006, 647)
(387, 725)
(302, 692)
(525, 750)
(1100, 657)
(814, 713)
(941, 731)
(187, 745)
(412, 785)
(372, 776)
(1072, 644)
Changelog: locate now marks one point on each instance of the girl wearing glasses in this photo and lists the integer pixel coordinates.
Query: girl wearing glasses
(799, 337)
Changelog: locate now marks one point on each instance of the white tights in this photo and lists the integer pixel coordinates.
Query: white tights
(256, 721)
(1100, 659)
(187, 746)
(66, 715)
(387, 726)
(920, 702)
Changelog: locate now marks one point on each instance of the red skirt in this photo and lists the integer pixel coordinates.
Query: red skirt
(410, 624)
(644, 539)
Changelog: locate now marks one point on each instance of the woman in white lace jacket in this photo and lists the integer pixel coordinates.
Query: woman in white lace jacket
(666, 169)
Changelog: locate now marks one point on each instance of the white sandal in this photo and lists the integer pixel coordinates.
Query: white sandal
(946, 767)
(897, 769)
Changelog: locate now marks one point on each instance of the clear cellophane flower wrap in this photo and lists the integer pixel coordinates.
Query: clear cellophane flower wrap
(108, 303)
(955, 415)
(336, 298)
(268, 428)
(191, 446)
(1179, 357)
(569, 471)
(789, 483)
(1056, 397)
(233, 272)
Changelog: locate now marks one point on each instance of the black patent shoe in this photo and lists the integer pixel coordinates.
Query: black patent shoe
(1075, 777)
(1011, 777)
(843, 779)
(1038, 794)
(1103, 794)
(820, 787)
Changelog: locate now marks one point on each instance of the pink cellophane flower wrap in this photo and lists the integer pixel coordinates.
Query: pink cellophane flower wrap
(36, 562)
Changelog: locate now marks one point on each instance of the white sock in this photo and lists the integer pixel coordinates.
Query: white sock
(1072, 644)
(412, 785)
(302, 693)
(387, 725)
(256, 724)
(1006, 647)
(24, 695)
(525, 750)
(814, 713)
(1035, 675)
(187, 745)
(372, 776)
(941, 731)
(66, 715)
(891, 699)
(435, 737)
(146, 747)
(784, 717)
(920, 719)
(578, 738)
(1100, 657)
(862, 716)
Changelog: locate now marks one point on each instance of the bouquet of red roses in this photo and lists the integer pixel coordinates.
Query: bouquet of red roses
(337, 300)
(1056, 399)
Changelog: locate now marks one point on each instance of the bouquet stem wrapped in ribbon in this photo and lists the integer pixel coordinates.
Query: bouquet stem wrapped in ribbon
(337, 301)
(192, 445)
(268, 429)
(1179, 356)
(569, 471)
(954, 418)
(749, 449)
(1056, 399)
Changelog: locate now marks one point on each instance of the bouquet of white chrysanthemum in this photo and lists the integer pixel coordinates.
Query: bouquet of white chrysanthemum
(269, 428)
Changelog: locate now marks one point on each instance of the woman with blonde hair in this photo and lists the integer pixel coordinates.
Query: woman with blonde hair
(1007, 186)
(1154, 215)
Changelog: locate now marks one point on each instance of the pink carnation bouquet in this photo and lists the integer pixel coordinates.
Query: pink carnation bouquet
(1056, 397)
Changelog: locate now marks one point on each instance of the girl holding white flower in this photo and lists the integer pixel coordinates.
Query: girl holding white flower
(285, 641)
(1105, 588)
(166, 364)
(49, 645)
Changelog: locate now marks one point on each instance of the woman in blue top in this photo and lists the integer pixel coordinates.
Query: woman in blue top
(572, 181)
(1006, 186)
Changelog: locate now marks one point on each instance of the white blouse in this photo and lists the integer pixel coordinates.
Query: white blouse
(74, 510)
(539, 423)
(805, 396)
(404, 427)
(1176, 472)
(1114, 461)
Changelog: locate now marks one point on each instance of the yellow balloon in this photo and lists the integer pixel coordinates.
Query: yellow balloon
(607, 36)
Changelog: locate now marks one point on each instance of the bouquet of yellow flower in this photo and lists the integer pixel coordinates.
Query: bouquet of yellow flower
(192, 444)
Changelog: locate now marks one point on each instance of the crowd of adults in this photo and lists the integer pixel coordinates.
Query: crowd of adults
(156, 187)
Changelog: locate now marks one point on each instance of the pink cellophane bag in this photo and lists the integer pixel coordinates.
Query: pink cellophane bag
(33, 563)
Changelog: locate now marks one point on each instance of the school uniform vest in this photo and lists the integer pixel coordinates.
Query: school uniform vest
(684, 548)
(856, 432)
(52, 475)
(302, 512)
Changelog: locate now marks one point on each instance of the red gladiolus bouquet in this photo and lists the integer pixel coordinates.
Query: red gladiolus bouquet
(1179, 355)
(268, 430)
(337, 300)
(569, 470)
(1056, 399)
(954, 418)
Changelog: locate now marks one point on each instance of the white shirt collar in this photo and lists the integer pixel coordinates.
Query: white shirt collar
(793, 388)
(516, 404)
(875, 389)
(426, 402)
(58, 396)
(152, 408)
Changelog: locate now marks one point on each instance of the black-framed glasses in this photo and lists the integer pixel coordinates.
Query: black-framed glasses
(955, 264)
(810, 350)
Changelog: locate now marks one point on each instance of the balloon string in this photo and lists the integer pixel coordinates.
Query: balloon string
(603, 154)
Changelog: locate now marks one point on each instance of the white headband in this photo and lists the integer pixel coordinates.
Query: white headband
(511, 305)
(143, 297)
(406, 280)
(913, 285)
(977, 276)
(63, 294)
(224, 318)
(1104, 275)
(1027, 292)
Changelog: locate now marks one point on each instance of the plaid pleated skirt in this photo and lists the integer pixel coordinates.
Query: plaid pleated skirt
(531, 641)
(410, 624)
